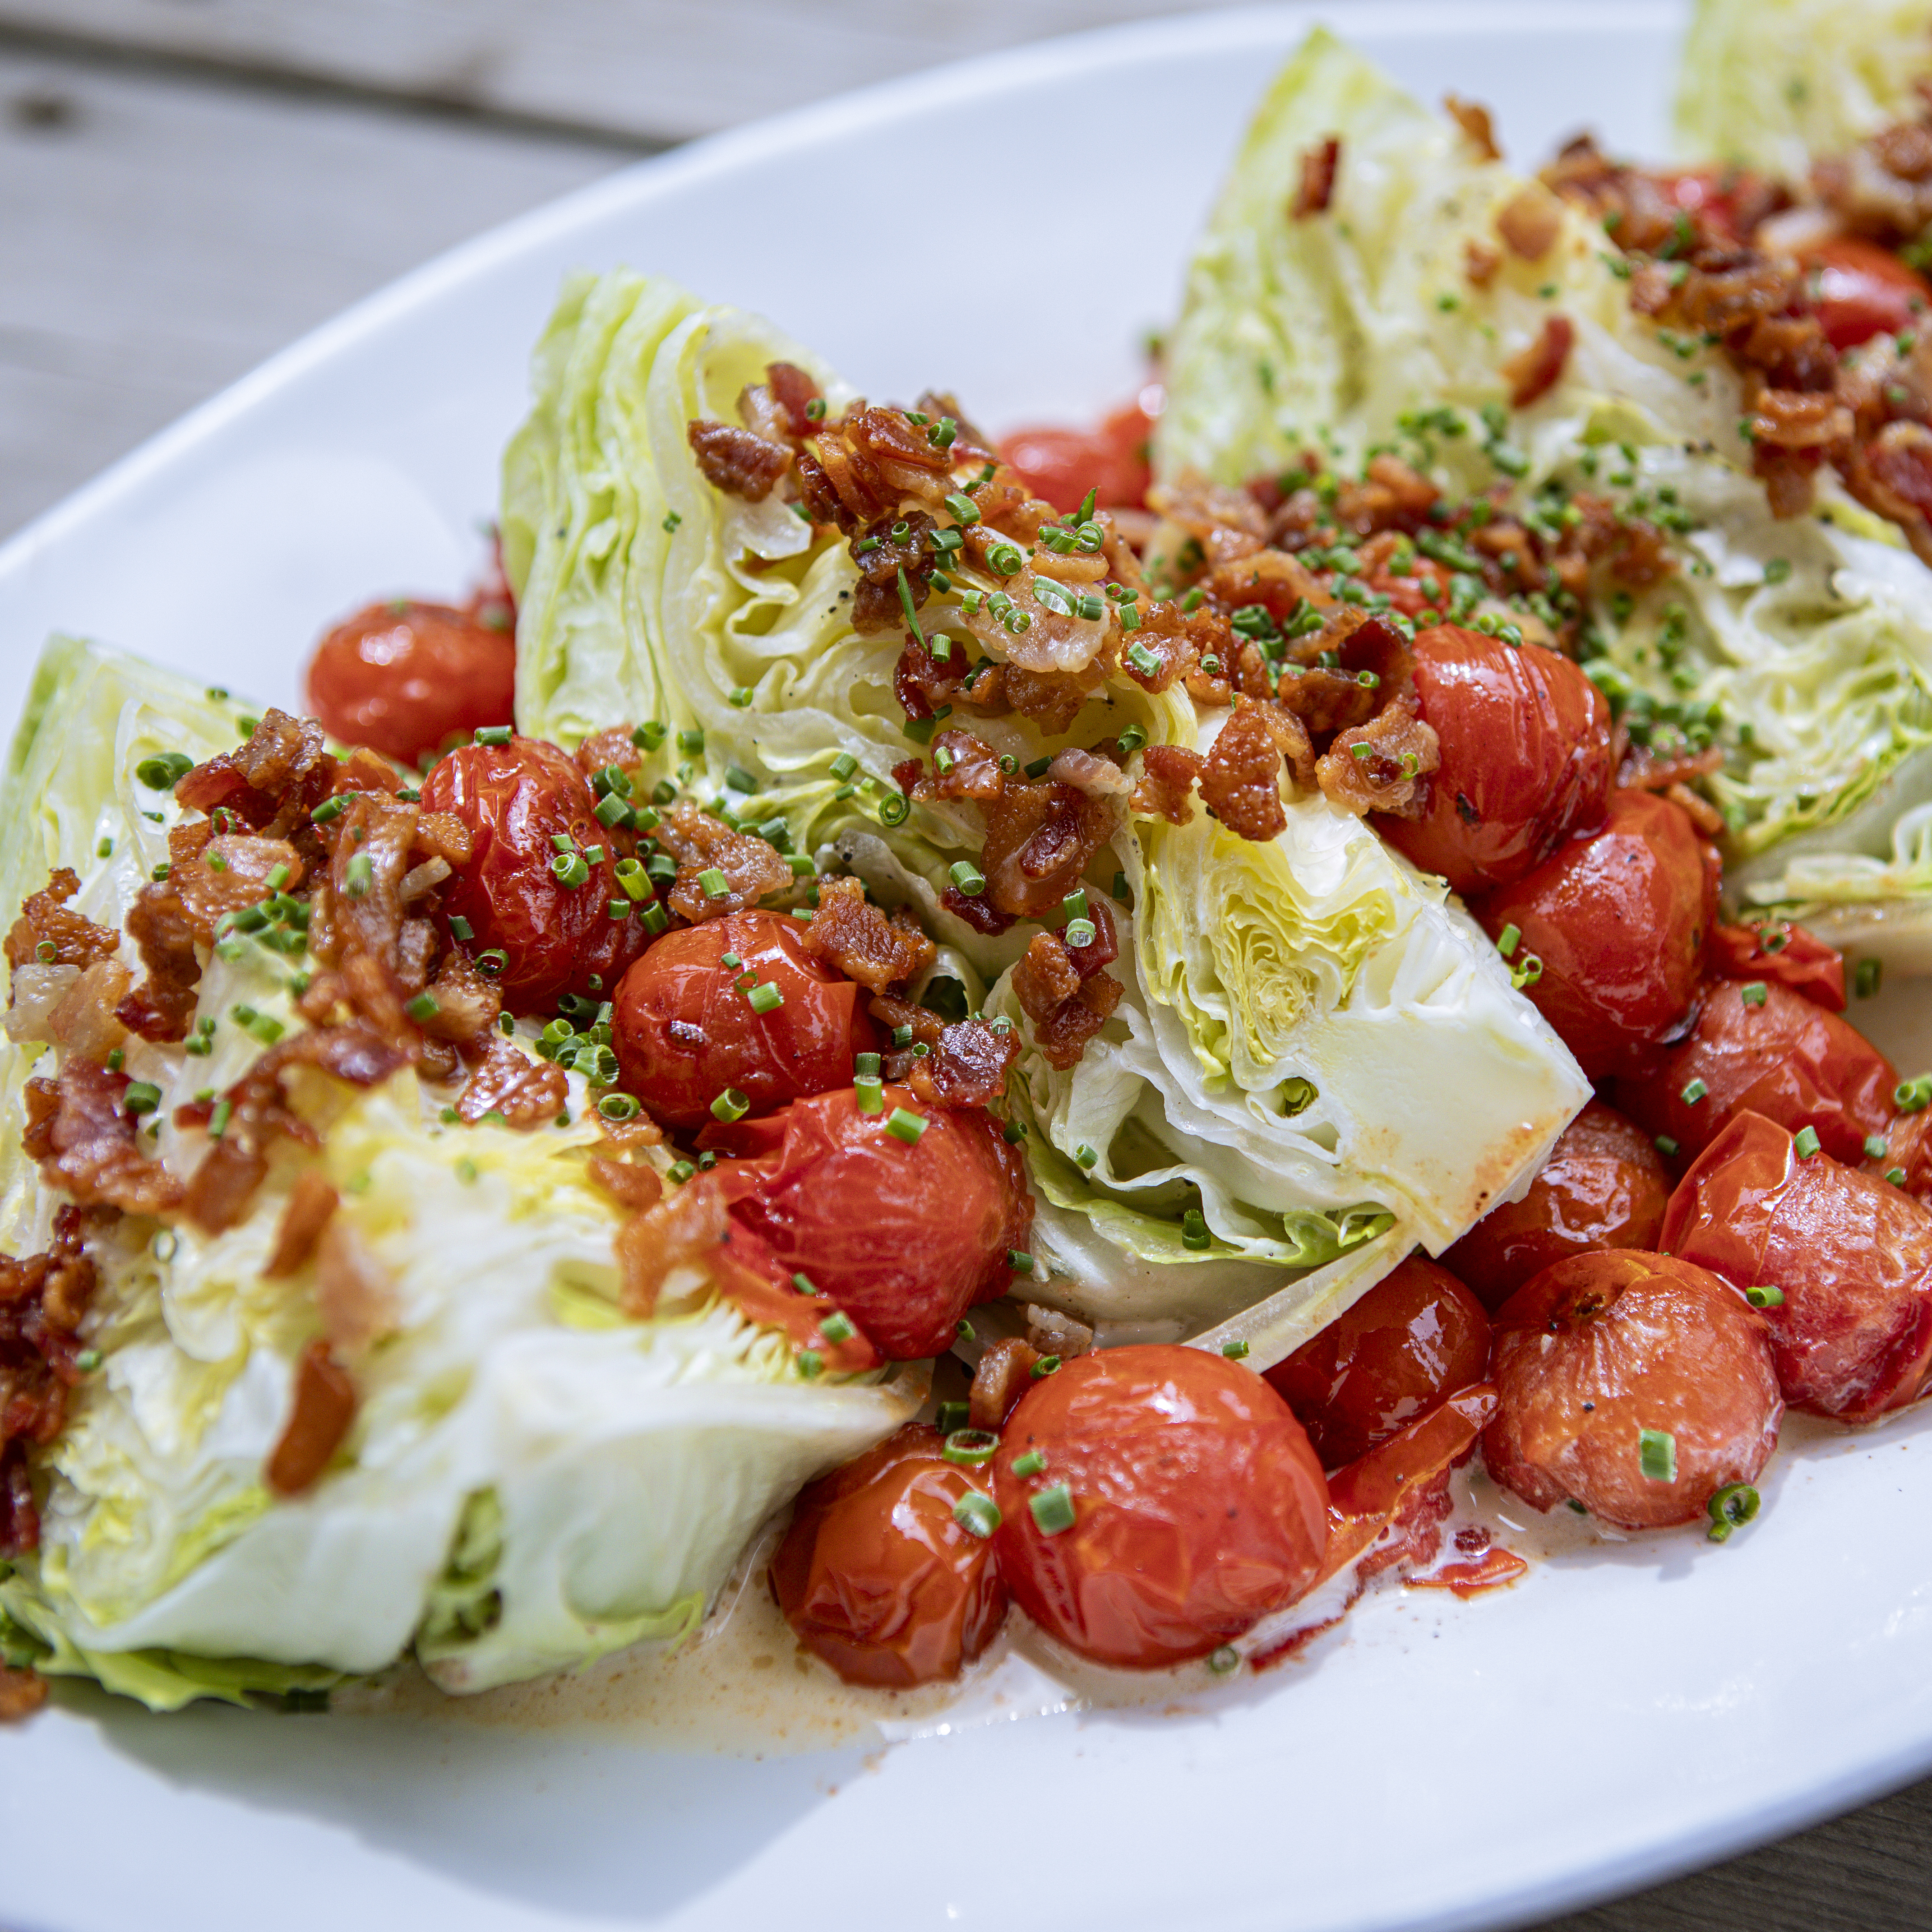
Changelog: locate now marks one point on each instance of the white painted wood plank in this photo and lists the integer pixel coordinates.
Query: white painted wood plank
(662, 69)
(158, 239)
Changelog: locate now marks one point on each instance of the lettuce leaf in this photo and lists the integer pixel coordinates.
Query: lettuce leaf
(1773, 83)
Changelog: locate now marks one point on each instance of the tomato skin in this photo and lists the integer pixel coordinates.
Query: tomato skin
(1062, 465)
(515, 798)
(1787, 1059)
(1865, 290)
(401, 678)
(904, 1239)
(1526, 739)
(1604, 1186)
(1908, 1150)
(1198, 1505)
(1853, 1257)
(876, 1577)
(1416, 1336)
(1619, 921)
(684, 1032)
(1799, 959)
(1597, 1349)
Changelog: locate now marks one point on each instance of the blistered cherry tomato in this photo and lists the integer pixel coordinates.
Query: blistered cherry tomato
(1197, 1505)
(1907, 1153)
(686, 1029)
(1707, 195)
(1062, 465)
(516, 798)
(1777, 1054)
(1593, 1353)
(1603, 1186)
(1525, 748)
(1864, 290)
(403, 678)
(1775, 950)
(877, 1577)
(902, 1235)
(1618, 922)
(1415, 1337)
(1851, 1256)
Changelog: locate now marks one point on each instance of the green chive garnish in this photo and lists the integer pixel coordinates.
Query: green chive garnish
(904, 1126)
(1765, 1297)
(1694, 1090)
(1052, 1509)
(1733, 1507)
(1235, 1351)
(1805, 1142)
(492, 734)
(730, 1105)
(1656, 1455)
(977, 1514)
(1030, 1464)
(837, 1327)
(968, 877)
(971, 1447)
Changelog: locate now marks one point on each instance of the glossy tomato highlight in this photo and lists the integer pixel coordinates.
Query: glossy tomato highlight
(1525, 747)
(876, 1575)
(1191, 1503)
(902, 1234)
(686, 1031)
(1617, 921)
(1601, 1350)
(1416, 1336)
(403, 678)
(1604, 1186)
(1851, 1256)
(1062, 465)
(1775, 1053)
(517, 798)
(1773, 950)
(1861, 290)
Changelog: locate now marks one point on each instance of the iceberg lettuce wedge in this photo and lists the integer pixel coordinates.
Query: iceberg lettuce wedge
(532, 1478)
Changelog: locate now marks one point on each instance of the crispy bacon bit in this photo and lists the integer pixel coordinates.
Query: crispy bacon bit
(1038, 840)
(324, 1406)
(700, 845)
(973, 770)
(1701, 813)
(1240, 780)
(861, 942)
(1789, 419)
(1103, 949)
(272, 782)
(93, 1148)
(1167, 773)
(1533, 372)
(1382, 765)
(22, 1693)
(967, 1065)
(1473, 120)
(737, 461)
(46, 920)
(1045, 976)
(311, 1201)
(629, 1183)
(1644, 769)
(441, 835)
(354, 1294)
(1054, 1332)
(84, 1020)
(1481, 261)
(974, 908)
(230, 873)
(882, 558)
(259, 1113)
(43, 1299)
(1316, 188)
(1530, 221)
(793, 392)
(1062, 1036)
(467, 1003)
(161, 1006)
(1004, 1374)
(526, 1093)
(1050, 699)
(683, 1231)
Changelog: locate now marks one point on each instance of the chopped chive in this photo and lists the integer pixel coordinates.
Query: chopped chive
(1875, 1146)
(649, 737)
(692, 743)
(610, 810)
(977, 1514)
(1085, 1156)
(810, 1363)
(865, 1065)
(1080, 932)
(1037, 768)
(1235, 1351)
(715, 884)
(1656, 1455)
(843, 765)
(739, 779)
(730, 1105)
(1047, 1365)
(965, 512)
(1733, 1507)
(1074, 906)
(618, 1107)
(632, 880)
(460, 928)
(1223, 1659)
(1508, 940)
(218, 1121)
(164, 771)
(740, 697)
(359, 878)
(1866, 976)
(1665, 1145)
(492, 734)
(571, 869)
(1753, 994)
(680, 1171)
(894, 808)
(971, 1447)
(1052, 1509)
(837, 1327)
(493, 963)
(1194, 1230)
(1804, 1142)
(1764, 1297)
(905, 1125)
(1694, 1090)
(1019, 1260)
(142, 1097)
(967, 877)
(1030, 1464)
(870, 1093)
(805, 1285)
(1896, 1176)
(765, 998)
(422, 1007)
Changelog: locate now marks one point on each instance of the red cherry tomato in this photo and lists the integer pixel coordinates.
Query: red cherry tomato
(904, 1237)
(1062, 465)
(1618, 921)
(686, 1031)
(1852, 1256)
(1908, 1153)
(403, 678)
(515, 798)
(1198, 1505)
(1704, 194)
(876, 1576)
(1784, 1057)
(1601, 1348)
(1864, 290)
(1603, 1186)
(1416, 1335)
(1526, 739)
(1775, 950)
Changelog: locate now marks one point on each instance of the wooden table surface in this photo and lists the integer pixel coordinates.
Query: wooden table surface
(187, 185)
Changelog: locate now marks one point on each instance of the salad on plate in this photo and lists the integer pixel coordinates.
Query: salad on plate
(1107, 1035)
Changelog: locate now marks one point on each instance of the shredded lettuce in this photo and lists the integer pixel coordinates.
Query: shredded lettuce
(1774, 83)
